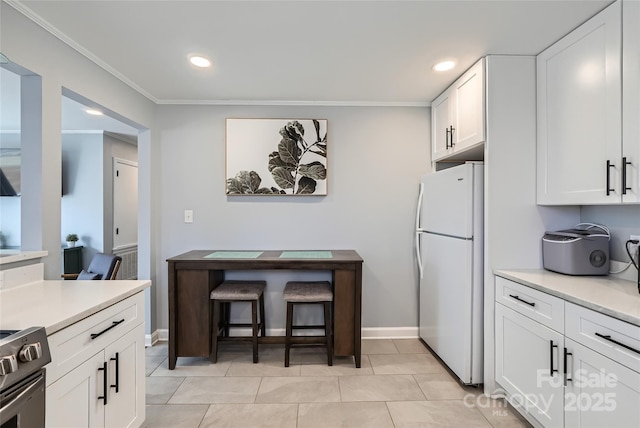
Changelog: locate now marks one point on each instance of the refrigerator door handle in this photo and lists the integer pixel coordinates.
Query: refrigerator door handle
(418, 255)
(419, 208)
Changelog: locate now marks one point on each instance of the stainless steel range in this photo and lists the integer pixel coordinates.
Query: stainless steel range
(23, 355)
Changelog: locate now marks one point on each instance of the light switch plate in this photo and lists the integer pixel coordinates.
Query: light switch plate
(188, 216)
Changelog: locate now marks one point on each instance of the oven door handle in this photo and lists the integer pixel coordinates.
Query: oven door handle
(12, 408)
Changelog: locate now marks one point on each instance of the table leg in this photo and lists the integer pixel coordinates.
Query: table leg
(346, 328)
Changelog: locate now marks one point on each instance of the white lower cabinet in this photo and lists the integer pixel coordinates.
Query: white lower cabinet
(529, 365)
(71, 400)
(586, 375)
(98, 370)
(600, 392)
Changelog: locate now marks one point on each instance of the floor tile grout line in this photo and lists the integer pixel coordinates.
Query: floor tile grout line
(339, 376)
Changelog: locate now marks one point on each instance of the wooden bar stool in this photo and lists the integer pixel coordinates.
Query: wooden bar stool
(308, 292)
(221, 298)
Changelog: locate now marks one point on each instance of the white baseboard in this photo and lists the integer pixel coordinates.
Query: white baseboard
(152, 339)
(162, 335)
(390, 333)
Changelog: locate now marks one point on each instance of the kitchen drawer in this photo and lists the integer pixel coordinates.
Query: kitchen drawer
(584, 325)
(73, 345)
(544, 308)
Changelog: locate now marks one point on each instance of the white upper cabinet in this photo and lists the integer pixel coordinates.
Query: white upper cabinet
(441, 126)
(458, 116)
(582, 156)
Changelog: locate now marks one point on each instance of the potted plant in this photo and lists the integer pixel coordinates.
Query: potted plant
(71, 239)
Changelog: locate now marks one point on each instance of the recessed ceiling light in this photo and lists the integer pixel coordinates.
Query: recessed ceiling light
(444, 65)
(200, 61)
(93, 112)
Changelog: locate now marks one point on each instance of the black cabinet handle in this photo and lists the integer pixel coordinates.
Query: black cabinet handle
(117, 384)
(566, 376)
(551, 369)
(113, 324)
(105, 382)
(609, 166)
(446, 138)
(624, 175)
(451, 133)
(608, 337)
(523, 301)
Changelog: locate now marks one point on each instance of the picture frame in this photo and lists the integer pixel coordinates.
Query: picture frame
(276, 157)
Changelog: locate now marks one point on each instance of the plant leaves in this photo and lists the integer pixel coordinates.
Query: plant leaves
(282, 177)
(276, 161)
(249, 181)
(306, 186)
(234, 187)
(265, 191)
(294, 127)
(315, 170)
(316, 124)
(293, 130)
(289, 151)
(318, 153)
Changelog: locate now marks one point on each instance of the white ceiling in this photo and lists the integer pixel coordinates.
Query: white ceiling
(316, 52)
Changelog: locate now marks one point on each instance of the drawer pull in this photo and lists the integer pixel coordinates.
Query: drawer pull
(551, 369)
(105, 382)
(523, 301)
(608, 337)
(114, 323)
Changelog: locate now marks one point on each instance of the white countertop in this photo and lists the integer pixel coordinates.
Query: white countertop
(12, 256)
(606, 294)
(56, 304)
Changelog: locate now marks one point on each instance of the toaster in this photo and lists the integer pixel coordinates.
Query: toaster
(578, 251)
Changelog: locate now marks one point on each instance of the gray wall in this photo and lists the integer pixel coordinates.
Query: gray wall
(375, 158)
(622, 220)
(83, 199)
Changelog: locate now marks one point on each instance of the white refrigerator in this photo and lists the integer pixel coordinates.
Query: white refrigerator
(449, 251)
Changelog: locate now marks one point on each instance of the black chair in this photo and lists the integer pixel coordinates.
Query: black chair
(102, 267)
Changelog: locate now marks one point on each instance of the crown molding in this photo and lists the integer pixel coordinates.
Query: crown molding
(22, 8)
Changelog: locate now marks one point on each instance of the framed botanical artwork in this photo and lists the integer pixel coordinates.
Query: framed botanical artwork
(276, 157)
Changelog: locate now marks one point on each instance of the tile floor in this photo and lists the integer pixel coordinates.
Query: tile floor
(400, 384)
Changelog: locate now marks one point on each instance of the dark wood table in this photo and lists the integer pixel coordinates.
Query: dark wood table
(192, 276)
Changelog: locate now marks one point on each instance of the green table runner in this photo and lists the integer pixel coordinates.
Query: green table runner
(233, 255)
(306, 255)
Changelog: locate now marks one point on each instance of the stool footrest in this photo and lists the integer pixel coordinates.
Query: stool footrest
(309, 339)
(239, 325)
(235, 339)
(308, 327)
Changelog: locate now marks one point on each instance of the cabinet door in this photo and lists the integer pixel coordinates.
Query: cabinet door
(524, 361)
(579, 114)
(441, 118)
(631, 98)
(125, 358)
(468, 93)
(601, 392)
(72, 400)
